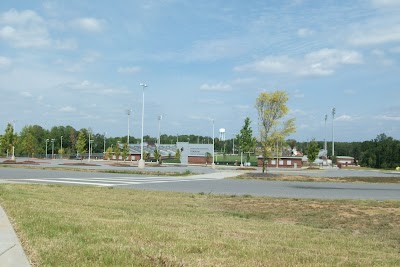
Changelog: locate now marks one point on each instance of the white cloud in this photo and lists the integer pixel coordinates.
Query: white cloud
(375, 35)
(26, 29)
(26, 94)
(304, 32)
(319, 63)
(345, 118)
(216, 87)
(349, 92)
(5, 62)
(129, 70)
(388, 117)
(90, 24)
(67, 109)
(385, 3)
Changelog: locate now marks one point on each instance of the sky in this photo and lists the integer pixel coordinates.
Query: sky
(81, 63)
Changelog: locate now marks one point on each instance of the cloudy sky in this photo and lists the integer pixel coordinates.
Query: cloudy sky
(81, 62)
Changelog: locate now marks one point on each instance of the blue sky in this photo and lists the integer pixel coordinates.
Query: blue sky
(80, 63)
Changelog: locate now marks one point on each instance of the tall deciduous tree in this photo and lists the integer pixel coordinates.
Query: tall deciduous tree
(125, 151)
(312, 151)
(272, 109)
(247, 142)
(81, 143)
(9, 139)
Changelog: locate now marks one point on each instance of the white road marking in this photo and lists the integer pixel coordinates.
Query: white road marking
(117, 181)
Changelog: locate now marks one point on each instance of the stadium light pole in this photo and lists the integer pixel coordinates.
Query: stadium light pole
(104, 141)
(333, 134)
(325, 145)
(213, 163)
(141, 161)
(128, 112)
(159, 127)
(52, 148)
(61, 147)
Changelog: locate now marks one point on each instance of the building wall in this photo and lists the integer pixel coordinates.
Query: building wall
(199, 160)
(283, 162)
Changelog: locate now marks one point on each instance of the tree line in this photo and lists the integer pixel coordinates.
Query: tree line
(68, 141)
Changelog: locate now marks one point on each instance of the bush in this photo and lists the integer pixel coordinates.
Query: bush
(398, 169)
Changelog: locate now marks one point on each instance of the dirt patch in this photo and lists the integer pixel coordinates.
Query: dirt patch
(29, 162)
(79, 164)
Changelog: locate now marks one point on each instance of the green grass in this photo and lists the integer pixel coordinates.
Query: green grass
(92, 226)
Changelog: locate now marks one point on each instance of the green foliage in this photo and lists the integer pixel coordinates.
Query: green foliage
(117, 151)
(247, 142)
(271, 108)
(82, 143)
(312, 151)
(178, 155)
(9, 139)
(125, 151)
(157, 155)
(109, 153)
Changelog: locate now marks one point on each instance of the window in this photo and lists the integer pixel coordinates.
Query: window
(273, 162)
(289, 162)
(281, 162)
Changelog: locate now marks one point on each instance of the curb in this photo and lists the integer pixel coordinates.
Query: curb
(11, 251)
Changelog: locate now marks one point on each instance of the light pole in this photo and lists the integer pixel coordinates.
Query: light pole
(128, 112)
(233, 145)
(213, 163)
(90, 141)
(326, 145)
(159, 127)
(333, 134)
(104, 140)
(52, 148)
(141, 161)
(47, 140)
(62, 152)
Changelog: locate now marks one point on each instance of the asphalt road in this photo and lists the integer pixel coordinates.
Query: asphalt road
(214, 183)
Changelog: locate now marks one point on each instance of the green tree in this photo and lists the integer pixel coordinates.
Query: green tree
(312, 151)
(117, 151)
(125, 151)
(178, 154)
(157, 155)
(61, 152)
(81, 143)
(247, 142)
(9, 139)
(109, 153)
(29, 144)
(272, 108)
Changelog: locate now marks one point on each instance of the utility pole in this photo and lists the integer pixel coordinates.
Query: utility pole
(333, 134)
(128, 112)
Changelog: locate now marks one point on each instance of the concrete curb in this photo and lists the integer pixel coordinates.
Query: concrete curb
(11, 252)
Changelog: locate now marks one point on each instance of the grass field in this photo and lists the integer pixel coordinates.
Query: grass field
(91, 226)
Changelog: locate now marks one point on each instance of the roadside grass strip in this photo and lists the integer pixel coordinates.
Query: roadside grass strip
(95, 226)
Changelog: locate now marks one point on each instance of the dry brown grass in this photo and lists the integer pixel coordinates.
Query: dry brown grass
(304, 178)
(89, 226)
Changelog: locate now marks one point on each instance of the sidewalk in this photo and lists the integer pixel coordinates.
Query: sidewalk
(11, 252)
